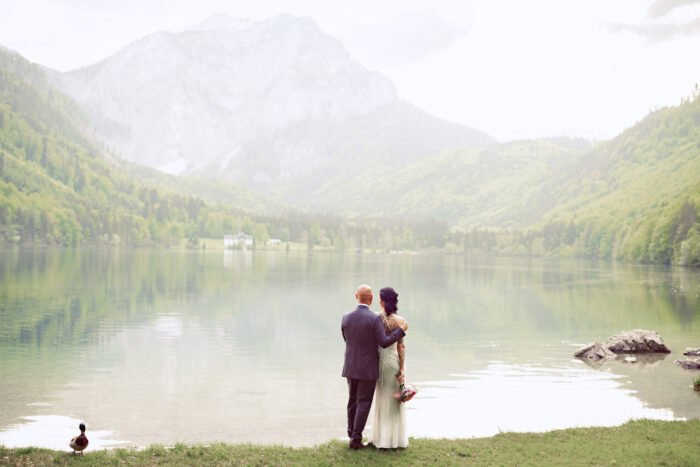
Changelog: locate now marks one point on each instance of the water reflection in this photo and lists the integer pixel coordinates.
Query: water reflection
(506, 397)
(640, 361)
(53, 432)
(163, 346)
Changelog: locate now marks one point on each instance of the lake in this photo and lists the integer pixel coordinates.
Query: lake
(159, 346)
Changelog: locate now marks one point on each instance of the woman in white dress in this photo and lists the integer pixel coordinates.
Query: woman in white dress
(389, 419)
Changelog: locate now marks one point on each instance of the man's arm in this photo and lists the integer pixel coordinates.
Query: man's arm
(382, 339)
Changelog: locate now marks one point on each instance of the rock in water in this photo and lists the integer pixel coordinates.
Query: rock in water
(637, 341)
(594, 351)
(689, 363)
(691, 352)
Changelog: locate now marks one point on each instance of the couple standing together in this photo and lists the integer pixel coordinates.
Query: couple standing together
(374, 367)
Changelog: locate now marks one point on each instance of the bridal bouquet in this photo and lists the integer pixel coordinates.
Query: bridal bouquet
(405, 392)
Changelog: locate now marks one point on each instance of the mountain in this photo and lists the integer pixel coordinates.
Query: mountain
(269, 104)
(496, 186)
(58, 184)
(637, 196)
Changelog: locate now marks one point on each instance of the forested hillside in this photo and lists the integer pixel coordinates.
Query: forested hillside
(495, 186)
(635, 197)
(56, 186)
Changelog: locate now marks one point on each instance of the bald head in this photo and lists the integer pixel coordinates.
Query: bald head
(364, 294)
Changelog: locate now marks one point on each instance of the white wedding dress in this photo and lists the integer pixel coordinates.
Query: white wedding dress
(389, 419)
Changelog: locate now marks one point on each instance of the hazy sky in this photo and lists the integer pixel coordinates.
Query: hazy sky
(515, 69)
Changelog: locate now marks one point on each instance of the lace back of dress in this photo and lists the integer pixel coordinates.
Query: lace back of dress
(387, 328)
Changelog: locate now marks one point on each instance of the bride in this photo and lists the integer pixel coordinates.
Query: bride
(389, 419)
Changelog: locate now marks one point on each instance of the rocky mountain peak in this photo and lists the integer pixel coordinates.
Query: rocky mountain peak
(221, 22)
(244, 100)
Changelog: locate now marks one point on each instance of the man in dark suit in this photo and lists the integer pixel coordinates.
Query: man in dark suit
(363, 332)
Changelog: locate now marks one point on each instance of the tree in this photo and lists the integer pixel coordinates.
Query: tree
(44, 152)
(79, 179)
(284, 234)
(690, 250)
(407, 240)
(315, 233)
(193, 208)
(174, 234)
(163, 210)
(387, 241)
(247, 226)
(686, 219)
(260, 234)
(570, 235)
(153, 196)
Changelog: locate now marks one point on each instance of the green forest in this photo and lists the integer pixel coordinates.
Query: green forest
(56, 185)
(634, 198)
(60, 186)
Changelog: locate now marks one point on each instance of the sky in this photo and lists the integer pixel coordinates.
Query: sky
(514, 69)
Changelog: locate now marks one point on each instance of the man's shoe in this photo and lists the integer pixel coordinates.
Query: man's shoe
(357, 445)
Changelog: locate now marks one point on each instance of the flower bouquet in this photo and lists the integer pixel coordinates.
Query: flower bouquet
(405, 392)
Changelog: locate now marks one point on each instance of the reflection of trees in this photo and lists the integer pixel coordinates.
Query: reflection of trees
(64, 297)
(563, 299)
(179, 319)
(598, 301)
(68, 296)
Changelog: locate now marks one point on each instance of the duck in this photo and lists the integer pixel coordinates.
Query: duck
(80, 442)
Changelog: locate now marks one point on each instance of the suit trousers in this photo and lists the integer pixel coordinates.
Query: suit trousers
(361, 392)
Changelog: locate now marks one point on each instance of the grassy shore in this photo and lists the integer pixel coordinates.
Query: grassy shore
(640, 442)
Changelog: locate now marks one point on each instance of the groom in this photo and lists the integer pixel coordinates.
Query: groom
(363, 332)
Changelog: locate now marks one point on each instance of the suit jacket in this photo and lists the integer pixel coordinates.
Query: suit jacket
(363, 332)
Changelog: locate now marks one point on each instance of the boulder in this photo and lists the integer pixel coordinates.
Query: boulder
(637, 341)
(689, 363)
(594, 351)
(691, 352)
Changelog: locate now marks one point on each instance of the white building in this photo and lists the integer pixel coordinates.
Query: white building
(240, 239)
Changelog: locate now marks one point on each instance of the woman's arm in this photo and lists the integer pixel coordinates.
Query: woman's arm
(400, 347)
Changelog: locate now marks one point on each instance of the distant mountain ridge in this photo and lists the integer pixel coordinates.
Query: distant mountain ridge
(58, 184)
(635, 197)
(261, 103)
(496, 186)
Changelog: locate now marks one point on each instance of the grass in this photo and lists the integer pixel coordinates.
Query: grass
(639, 442)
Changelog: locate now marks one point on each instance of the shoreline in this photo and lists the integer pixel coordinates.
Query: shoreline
(637, 442)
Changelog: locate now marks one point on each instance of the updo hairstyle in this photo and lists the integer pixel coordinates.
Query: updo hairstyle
(390, 299)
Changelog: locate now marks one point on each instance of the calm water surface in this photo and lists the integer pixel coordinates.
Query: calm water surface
(163, 347)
